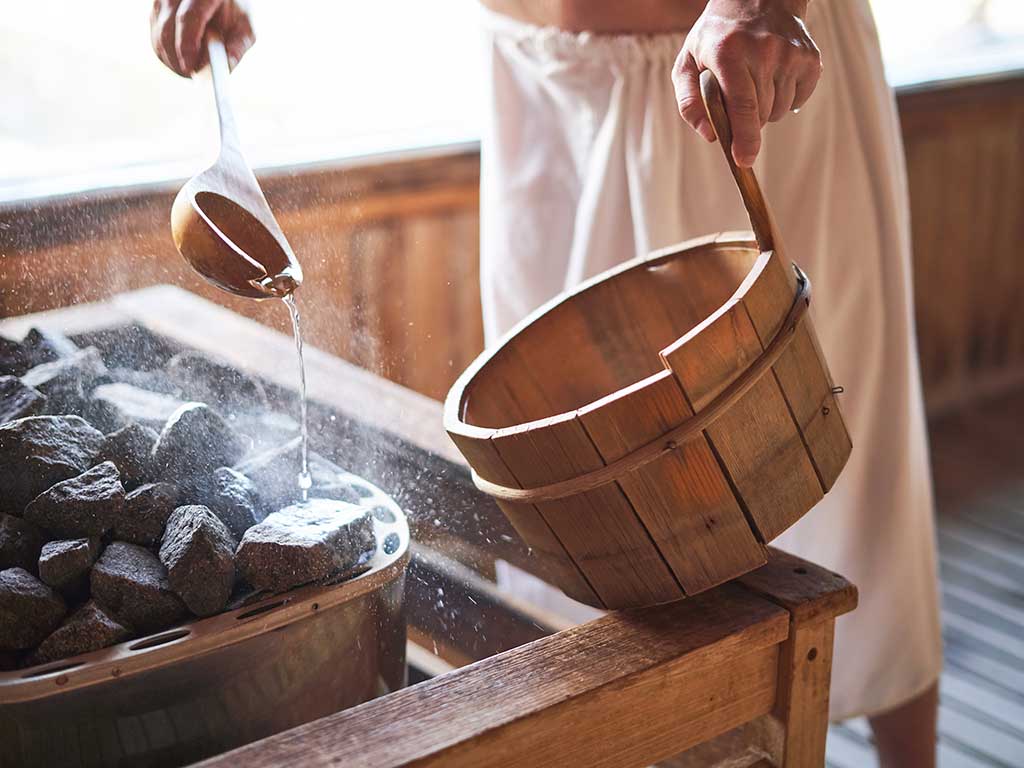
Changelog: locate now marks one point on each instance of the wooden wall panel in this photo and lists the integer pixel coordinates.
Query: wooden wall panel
(390, 248)
(965, 162)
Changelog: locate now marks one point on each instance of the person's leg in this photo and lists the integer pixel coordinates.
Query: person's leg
(906, 736)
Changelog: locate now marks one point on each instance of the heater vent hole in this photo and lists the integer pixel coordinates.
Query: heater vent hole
(166, 637)
(51, 669)
(391, 543)
(260, 609)
(384, 514)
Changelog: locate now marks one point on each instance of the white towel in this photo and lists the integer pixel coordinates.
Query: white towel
(586, 163)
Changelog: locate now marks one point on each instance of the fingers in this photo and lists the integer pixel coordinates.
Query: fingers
(804, 87)
(785, 91)
(741, 104)
(191, 21)
(765, 96)
(236, 29)
(162, 28)
(686, 79)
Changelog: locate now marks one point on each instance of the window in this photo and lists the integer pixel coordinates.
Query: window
(87, 105)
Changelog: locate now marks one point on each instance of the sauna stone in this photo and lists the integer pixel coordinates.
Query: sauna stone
(14, 359)
(131, 582)
(67, 381)
(146, 511)
(304, 543)
(43, 346)
(233, 498)
(195, 440)
(151, 381)
(198, 552)
(86, 505)
(20, 543)
(38, 451)
(64, 564)
(18, 400)
(29, 610)
(89, 628)
(209, 381)
(130, 448)
(275, 473)
(118, 404)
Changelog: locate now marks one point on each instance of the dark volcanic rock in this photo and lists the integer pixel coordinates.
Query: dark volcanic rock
(275, 474)
(39, 451)
(64, 564)
(86, 505)
(13, 357)
(29, 610)
(153, 381)
(304, 543)
(204, 379)
(116, 405)
(46, 346)
(198, 552)
(87, 629)
(195, 440)
(20, 543)
(130, 448)
(132, 584)
(67, 381)
(145, 514)
(18, 400)
(232, 497)
(130, 346)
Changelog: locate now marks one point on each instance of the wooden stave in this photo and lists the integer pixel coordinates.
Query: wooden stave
(761, 289)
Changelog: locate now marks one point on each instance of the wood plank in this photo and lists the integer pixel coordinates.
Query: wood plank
(553, 561)
(809, 592)
(599, 528)
(756, 440)
(661, 679)
(800, 372)
(999, 746)
(959, 689)
(683, 498)
(805, 671)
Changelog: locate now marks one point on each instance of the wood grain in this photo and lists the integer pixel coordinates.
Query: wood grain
(682, 498)
(599, 528)
(628, 673)
(801, 372)
(805, 669)
(809, 592)
(756, 440)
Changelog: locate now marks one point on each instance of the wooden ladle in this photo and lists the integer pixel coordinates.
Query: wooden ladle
(221, 222)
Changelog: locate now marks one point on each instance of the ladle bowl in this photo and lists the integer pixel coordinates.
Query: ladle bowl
(221, 222)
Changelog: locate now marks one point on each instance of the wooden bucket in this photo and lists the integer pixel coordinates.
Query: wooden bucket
(649, 433)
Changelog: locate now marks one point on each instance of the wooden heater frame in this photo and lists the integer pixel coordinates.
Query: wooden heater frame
(741, 668)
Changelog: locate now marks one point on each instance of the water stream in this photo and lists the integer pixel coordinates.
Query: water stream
(305, 479)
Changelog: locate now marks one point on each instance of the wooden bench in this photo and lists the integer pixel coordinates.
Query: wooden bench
(739, 672)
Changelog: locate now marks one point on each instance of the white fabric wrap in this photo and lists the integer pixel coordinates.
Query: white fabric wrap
(586, 163)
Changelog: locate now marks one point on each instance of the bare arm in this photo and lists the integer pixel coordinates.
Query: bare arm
(764, 59)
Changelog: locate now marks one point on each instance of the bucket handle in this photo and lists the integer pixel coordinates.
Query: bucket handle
(761, 220)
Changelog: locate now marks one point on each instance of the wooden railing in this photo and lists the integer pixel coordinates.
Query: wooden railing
(390, 249)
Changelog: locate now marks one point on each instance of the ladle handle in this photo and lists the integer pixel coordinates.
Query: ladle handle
(761, 219)
(220, 72)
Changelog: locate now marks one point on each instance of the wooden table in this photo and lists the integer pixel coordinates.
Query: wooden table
(744, 667)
